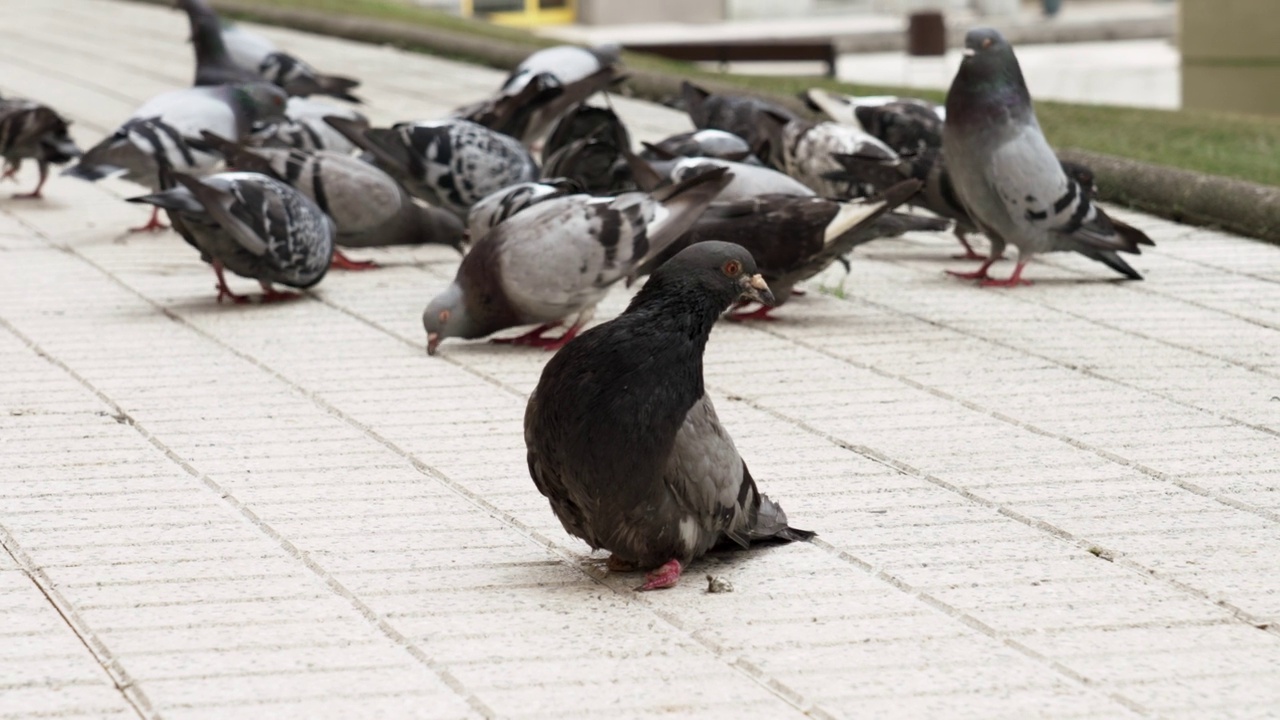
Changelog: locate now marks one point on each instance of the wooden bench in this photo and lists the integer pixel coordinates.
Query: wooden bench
(745, 51)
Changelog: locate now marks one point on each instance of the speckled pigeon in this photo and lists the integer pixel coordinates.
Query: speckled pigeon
(253, 225)
(1008, 178)
(163, 136)
(849, 109)
(624, 441)
(499, 206)
(304, 127)
(367, 206)
(792, 238)
(449, 163)
(31, 131)
(557, 260)
(806, 151)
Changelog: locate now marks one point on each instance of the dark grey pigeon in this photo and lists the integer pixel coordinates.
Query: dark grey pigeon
(904, 126)
(701, 143)
(1008, 178)
(938, 194)
(557, 260)
(163, 136)
(214, 65)
(304, 127)
(597, 165)
(31, 131)
(253, 53)
(449, 163)
(741, 115)
(791, 238)
(624, 441)
(496, 208)
(367, 206)
(586, 122)
(253, 225)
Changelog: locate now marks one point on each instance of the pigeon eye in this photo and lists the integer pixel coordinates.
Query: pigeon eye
(444, 317)
(733, 268)
(986, 43)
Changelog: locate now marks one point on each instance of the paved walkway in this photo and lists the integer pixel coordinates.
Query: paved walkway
(1059, 501)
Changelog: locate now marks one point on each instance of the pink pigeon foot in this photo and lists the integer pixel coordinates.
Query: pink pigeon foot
(270, 294)
(153, 225)
(223, 290)
(1014, 280)
(979, 274)
(663, 577)
(342, 262)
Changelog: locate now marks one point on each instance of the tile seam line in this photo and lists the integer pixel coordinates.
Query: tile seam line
(119, 678)
(774, 687)
(954, 613)
(1240, 614)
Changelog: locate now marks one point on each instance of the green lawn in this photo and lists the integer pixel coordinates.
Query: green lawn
(1244, 147)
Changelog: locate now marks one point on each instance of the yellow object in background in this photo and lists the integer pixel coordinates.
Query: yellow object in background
(522, 13)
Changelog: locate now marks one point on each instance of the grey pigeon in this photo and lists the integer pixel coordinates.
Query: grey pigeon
(367, 206)
(624, 441)
(1007, 177)
(597, 165)
(791, 238)
(741, 115)
(748, 180)
(253, 225)
(449, 163)
(214, 65)
(586, 122)
(557, 260)
(256, 54)
(938, 194)
(807, 152)
(304, 127)
(163, 136)
(701, 143)
(496, 208)
(31, 131)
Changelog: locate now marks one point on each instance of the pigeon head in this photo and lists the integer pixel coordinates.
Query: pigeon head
(989, 80)
(263, 102)
(989, 58)
(723, 272)
(446, 316)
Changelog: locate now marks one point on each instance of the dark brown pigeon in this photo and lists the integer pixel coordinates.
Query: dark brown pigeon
(624, 441)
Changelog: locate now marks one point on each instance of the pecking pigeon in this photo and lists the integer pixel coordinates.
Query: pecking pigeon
(624, 441)
(367, 206)
(791, 238)
(253, 225)
(701, 143)
(304, 127)
(1007, 177)
(496, 208)
(586, 122)
(448, 163)
(806, 151)
(740, 115)
(163, 136)
(31, 131)
(598, 166)
(557, 260)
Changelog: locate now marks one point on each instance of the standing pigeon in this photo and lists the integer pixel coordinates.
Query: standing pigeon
(1007, 177)
(253, 225)
(496, 208)
(163, 136)
(367, 206)
(448, 163)
(741, 115)
(304, 127)
(624, 441)
(807, 152)
(31, 131)
(557, 259)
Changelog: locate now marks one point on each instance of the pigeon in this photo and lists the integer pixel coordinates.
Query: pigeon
(214, 65)
(623, 440)
(496, 208)
(449, 163)
(791, 238)
(740, 115)
(31, 131)
(748, 180)
(367, 206)
(163, 136)
(701, 143)
(557, 260)
(304, 127)
(253, 225)
(845, 108)
(1007, 177)
(938, 194)
(806, 151)
(253, 53)
(598, 166)
(586, 122)
(904, 126)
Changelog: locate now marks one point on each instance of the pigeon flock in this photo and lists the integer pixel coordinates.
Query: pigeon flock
(550, 206)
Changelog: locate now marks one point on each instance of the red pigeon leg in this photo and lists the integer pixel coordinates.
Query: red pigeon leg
(342, 262)
(1014, 280)
(553, 344)
(35, 194)
(760, 313)
(979, 274)
(223, 290)
(969, 252)
(533, 337)
(664, 577)
(270, 294)
(153, 225)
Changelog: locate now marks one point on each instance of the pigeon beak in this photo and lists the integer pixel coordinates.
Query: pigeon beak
(755, 288)
(433, 342)
(968, 52)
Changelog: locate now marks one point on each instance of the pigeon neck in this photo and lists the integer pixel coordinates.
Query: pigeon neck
(987, 88)
(684, 308)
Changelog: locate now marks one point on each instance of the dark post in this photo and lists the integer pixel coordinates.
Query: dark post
(926, 34)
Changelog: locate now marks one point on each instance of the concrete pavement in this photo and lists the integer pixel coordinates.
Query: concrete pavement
(1058, 501)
